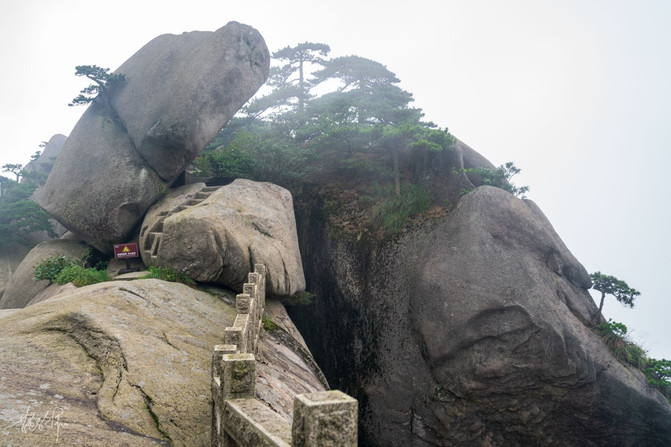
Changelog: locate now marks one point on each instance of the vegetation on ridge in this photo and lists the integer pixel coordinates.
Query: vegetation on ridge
(501, 177)
(345, 124)
(657, 371)
(19, 214)
(610, 285)
(102, 79)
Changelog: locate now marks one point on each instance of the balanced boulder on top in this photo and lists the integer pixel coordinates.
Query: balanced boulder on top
(124, 153)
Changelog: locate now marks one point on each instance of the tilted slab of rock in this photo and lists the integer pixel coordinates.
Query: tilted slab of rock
(180, 91)
(215, 234)
(472, 330)
(100, 186)
(128, 363)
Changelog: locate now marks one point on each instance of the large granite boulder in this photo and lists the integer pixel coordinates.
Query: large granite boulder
(128, 363)
(22, 288)
(100, 186)
(124, 153)
(182, 89)
(215, 234)
(470, 329)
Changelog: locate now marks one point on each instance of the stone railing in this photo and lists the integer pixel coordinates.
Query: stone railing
(327, 418)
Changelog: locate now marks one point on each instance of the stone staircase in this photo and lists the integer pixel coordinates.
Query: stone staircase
(152, 236)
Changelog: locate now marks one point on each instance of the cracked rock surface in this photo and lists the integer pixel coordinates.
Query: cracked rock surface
(124, 363)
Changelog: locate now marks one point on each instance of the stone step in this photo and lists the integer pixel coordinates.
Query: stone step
(177, 209)
(148, 241)
(158, 226)
(156, 243)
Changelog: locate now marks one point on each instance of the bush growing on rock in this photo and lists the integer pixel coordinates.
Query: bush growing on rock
(168, 274)
(614, 335)
(395, 211)
(81, 276)
(658, 372)
(64, 269)
(50, 268)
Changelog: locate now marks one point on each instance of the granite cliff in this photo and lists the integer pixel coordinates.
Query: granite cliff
(467, 328)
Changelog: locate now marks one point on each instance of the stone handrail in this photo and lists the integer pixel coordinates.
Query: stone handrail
(327, 418)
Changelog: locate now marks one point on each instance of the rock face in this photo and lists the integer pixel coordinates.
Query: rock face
(181, 90)
(10, 259)
(120, 158)
(47, 158)
(214, 235)
(100, 186)
(22, 288)
(470, 330)
(125, 363)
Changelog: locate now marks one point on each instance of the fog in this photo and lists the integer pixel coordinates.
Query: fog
(575, 93)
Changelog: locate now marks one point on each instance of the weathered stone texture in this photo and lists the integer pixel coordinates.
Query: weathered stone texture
(251, 423)
(471, 330)
(326, 419)
(128, 362)
(215, 236)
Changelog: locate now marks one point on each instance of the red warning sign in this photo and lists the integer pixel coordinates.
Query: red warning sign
(122, 251)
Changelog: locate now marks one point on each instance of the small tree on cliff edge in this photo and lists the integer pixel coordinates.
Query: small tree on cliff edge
(610, 285)
(103, 81)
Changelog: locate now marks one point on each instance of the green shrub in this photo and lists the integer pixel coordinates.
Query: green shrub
(94, 259)
(49, 268)
(168, 274)
(658, 372)
(614, 334)
(303, 298)
(393, 213)
(81, 276)
(499, 178)
(229, 161)
(268, 324)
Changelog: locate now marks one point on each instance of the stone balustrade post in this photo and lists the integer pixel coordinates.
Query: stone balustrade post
(242, 302)
(217, 395)
(325, 419)
(238, 376)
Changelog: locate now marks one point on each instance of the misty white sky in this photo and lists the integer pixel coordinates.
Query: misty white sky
(576, 93)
